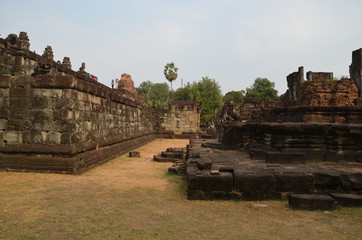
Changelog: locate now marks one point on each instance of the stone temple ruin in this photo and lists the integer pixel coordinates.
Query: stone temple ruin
(59, 120)
(309, 140)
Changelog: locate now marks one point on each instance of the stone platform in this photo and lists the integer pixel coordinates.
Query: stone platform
(213, 173)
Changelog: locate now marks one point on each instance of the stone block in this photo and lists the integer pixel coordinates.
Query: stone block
(19, 113)
(204, 181)
(256, 153)
(134, 154)
(284, 157)
(297, 182)
(327, 181)
(41, 115)
(21, 103)
(352, 181)
(203, 164)
(311, 202)
(19, 124)
(3, 124)
(5, 81)
(255, 185)
(347, 200)
(19, 92)
(254, 181)
(54, 137)
(39, 102)
(12, 137)
(172, 155)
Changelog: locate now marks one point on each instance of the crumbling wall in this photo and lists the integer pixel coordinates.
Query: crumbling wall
(246, 110)
(319, 90)
(182, 118)
(55, 119)
(355, 69)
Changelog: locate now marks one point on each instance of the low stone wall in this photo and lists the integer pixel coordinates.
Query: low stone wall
(63, 117)
(332, 114)
(318, 142)
(226, 174)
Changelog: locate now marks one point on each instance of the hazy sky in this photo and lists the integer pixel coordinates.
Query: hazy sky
(231, 41)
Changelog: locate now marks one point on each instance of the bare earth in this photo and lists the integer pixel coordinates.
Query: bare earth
(135, 198)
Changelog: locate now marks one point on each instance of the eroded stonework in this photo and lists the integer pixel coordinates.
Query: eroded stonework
(55, 119)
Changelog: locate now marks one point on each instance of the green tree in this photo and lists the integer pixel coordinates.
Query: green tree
(209, 93)
(262, 88)
(186, 93)
(144, 87)
(158, 95)
(235, 96)
(170, 72)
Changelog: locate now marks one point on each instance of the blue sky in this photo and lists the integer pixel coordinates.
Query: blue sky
(233, 42)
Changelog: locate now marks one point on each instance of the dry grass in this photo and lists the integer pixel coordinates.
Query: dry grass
(135, 198)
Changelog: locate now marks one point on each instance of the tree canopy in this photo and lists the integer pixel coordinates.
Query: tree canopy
(170, 72)
(155, 94)
(207, 91)
(262, 88)
(235, 96)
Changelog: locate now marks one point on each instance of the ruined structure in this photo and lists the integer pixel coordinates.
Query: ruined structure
(126, 83)
(55, 119)
(310, 142)
(183, 118)
(319, 90)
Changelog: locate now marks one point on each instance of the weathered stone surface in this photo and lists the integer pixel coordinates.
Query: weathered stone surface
(284, 157)
(311, 202)
(204, 181)
(134, 154)
(47, 108)
(297, 182)
(327, 180)
(255, 185)
(352, 181)
(347, 200)
(204, 164)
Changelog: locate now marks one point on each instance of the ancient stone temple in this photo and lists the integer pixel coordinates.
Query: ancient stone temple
(55, 119)
(309, 142)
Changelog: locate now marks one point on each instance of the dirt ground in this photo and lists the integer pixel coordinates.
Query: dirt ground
(135, 198)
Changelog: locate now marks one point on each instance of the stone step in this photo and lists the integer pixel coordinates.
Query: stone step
(312, 202)
(159, 158)
(347, 199)
(172, 155)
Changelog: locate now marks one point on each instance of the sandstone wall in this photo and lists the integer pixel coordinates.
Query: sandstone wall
(183, 118)
(318, 142)
(66, 116)
(55, 119)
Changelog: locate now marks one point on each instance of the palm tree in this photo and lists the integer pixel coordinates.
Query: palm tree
(170, 72)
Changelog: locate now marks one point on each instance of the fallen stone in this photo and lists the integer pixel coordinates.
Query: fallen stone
(347, 200)
(311, 202)
(134, 154)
